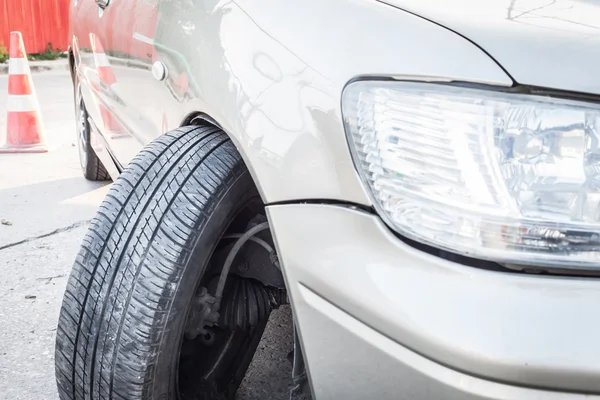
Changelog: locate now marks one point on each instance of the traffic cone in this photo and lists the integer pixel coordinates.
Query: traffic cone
(107, 77)
(24, 128)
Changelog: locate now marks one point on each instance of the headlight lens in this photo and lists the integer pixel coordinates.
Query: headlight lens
(505, 177)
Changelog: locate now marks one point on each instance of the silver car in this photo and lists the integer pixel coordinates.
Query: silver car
(420, 180)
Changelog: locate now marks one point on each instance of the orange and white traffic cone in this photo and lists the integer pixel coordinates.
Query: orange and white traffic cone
(107, 77)
(24, 128)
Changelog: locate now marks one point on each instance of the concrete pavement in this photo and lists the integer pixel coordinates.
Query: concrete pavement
(33, 278)
(47, 204)
(40, 193)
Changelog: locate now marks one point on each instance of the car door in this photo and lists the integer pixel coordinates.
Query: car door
(85, 27)
(130, 53)
(124, 127)
(152, 75)
(143, 82)
(93, 27)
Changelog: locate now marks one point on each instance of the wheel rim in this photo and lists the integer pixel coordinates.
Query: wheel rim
(82, 131)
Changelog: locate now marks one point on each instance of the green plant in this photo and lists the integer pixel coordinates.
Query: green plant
(49, 54)
(3, 53)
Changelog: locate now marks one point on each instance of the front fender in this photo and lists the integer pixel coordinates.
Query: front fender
(271, 74)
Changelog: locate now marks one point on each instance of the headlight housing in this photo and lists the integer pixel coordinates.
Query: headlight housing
(507, 177)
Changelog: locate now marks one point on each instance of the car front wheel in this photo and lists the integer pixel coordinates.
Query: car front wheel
(138, 319)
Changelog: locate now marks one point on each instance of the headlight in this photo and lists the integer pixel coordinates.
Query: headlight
(505, 177)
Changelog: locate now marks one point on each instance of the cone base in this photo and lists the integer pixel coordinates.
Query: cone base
(25, 133)
(24, 149)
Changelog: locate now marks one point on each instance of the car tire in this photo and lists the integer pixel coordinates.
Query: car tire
(91, 166)
(122, 327)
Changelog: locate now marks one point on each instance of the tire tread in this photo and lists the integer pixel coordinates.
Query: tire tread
(123, 281)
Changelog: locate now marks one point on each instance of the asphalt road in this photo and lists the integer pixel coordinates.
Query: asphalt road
(46, 205)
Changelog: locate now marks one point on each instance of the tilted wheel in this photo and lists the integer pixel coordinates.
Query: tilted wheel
(138, 319)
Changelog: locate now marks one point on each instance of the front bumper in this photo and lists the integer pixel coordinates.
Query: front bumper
(380, 319)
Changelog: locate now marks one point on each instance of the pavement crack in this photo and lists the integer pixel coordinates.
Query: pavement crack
(48, 279)
(45, 235)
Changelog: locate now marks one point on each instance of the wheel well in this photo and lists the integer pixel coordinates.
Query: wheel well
(257, 267)
(200, 118)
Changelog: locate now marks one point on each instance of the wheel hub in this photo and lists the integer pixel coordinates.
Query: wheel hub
(213, 350)
(202, 315)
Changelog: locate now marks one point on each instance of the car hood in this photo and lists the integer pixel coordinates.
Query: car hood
(549, 43)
